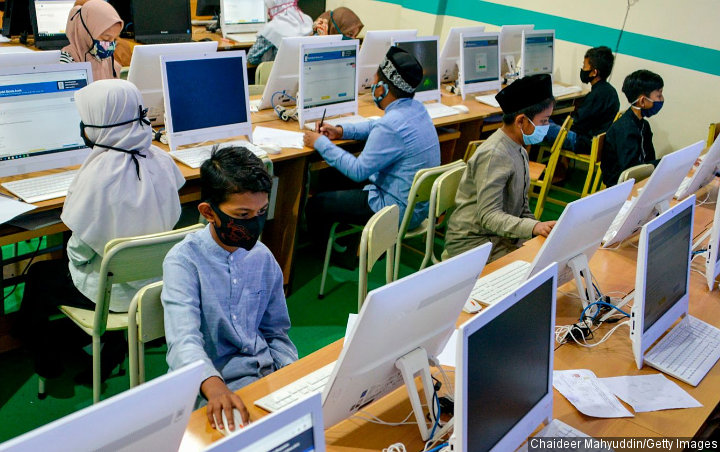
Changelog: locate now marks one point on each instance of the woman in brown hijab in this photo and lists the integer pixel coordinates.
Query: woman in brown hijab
(92, 29)
(339, 21)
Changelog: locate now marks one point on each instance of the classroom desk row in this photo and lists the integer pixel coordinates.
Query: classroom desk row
(615, 271)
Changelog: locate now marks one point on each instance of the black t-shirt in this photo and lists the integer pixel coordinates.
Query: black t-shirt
(628, 143)
(595, 115)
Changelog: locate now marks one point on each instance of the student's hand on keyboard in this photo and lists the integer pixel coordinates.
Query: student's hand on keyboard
(221, 398)
(543, 228)
(331, 131)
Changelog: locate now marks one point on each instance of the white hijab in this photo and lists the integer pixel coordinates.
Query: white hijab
(286, 21)
(106, 200)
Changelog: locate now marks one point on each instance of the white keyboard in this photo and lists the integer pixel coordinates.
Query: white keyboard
(683, 186)
(617, 222)
(497, 285)
(560, 90)
(41, 188)
(194, 157)
(243, 37)
(440, 110)
(309, 384)
(354, 119)
(687, 352)
(488, 99)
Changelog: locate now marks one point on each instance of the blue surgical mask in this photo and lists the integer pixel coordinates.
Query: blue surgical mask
(652, 111)
(102, 49)
(378, 99)
(538, 134)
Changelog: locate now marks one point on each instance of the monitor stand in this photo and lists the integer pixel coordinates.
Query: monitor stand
(583, 280)
(410, 365)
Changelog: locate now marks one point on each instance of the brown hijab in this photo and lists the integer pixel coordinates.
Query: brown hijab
(98, 16)
(345, 19)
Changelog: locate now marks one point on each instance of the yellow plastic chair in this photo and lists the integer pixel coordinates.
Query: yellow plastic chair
(639, 172)
(420, 192)
(713, 133)
(124, 260)
(592, 161)
(146, 323)
(378, 237)
(256, 90)
(544, 182)
(472, 147)
(442, 202)
(262, 72)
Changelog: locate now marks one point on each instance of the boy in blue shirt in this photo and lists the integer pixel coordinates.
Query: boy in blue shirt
(223, 290)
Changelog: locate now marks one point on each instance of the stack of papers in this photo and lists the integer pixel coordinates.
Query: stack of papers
(588, 393)
(10, 208)
(283, 138)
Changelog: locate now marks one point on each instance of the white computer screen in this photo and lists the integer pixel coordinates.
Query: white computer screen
(329, 75)
(52, 16)
(295, 436)
(538, 57)
(480, 57)
(244, 11)
(38, 113)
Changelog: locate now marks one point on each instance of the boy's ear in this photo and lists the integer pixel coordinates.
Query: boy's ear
(207, 212)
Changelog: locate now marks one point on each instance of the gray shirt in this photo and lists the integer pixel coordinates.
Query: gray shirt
(492, 199)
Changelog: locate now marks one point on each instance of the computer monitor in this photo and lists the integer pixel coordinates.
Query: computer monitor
(124, 10)
(16, 18)
(656, 194)
(425, 50)
(504, 365)
(510, 51)
(374, 47)
(29, 58)
(328, 79)
(242, 16)
(282, 85)
(704, 173)
(207, 8)
(49, 18)
(152, 416)
(538, 52)
(662, 277)
(415, 315)
(712, 260)
(479, 63)
(145, 72)
(449, 64)
(39, 122)
(299, 427)
(161, 21)
(196, 110)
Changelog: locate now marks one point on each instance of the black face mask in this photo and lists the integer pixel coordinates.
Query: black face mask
(238, 232)
(585, 76)
(134, 153)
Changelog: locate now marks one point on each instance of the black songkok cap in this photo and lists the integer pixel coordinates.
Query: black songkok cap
(402, 69)
(524, 93)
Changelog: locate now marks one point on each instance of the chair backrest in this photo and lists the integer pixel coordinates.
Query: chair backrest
(132, 259)
(596, 148)
(256, 90)
(379, 236)
(617, 116)
(262, 73)
(471, 148)
(713, 133)
(556, 148)
(639, 172)
(150, 313)
(445, 189)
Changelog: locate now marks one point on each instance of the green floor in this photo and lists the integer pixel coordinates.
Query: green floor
(315, 323)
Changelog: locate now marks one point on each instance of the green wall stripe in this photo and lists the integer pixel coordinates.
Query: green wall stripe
(675, 53)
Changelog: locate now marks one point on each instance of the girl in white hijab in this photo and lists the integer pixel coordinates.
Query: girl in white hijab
(125, 188)
(286, 21)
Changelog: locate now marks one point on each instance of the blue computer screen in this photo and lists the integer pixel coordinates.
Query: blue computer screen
(206, 93)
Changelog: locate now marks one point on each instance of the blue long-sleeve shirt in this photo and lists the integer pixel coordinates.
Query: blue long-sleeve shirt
(399, 144)
(225, 309)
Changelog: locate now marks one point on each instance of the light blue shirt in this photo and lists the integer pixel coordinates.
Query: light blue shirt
(399, 144)
(225, 309)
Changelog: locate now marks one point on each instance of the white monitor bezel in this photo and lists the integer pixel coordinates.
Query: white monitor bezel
(176, 139)
(369, 58)
(705, 172)
(642, 340)
(38, 58)
(507, 33)
(542, 411)
(309, 113)
(248, 27)
(58, 159)
(448, 62)
(659, 189)
(712, 266)
(269, 424)
(531, 33)
(477, 87)
(434, 94)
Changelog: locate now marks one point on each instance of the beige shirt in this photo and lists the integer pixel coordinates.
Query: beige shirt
(492, 200)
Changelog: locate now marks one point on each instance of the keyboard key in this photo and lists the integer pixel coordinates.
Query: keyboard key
(309, 384)
(41, 188)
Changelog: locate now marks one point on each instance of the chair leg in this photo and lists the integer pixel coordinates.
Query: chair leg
(41, 388)
(141, 363)
(133, 356)
(429, 242)
(326, 263)
(96, 347)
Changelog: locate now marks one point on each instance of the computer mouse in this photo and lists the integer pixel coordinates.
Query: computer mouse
(270, 148)
(237, 418)
(460, 108)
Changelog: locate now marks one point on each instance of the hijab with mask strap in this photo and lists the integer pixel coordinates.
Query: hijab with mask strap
(106, 200)
(286, 21)
(98, 16)
(343, 18)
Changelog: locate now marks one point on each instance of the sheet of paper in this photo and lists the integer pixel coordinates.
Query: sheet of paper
(650, 393)
(255, 105)
(283, 138)
(352, 319)
(10, 208)
(556, 430)
(4, 39)
(13, 49)
(449, 353)
(588, 394)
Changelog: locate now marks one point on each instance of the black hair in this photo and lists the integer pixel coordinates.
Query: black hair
(641, 82)
(530, 112)
(602, 59)
(398, 93)
(232, 169)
